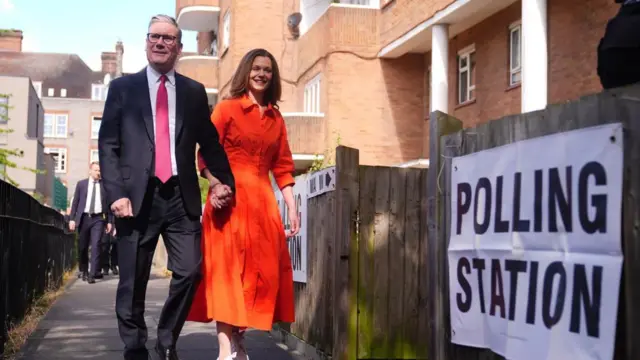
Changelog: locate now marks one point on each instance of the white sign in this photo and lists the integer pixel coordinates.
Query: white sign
(535, 250)
(298, 243)
(321, 181)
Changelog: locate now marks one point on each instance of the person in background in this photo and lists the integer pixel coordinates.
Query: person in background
(247, 275)
(109, 254)
(619, 49)
(91, 216)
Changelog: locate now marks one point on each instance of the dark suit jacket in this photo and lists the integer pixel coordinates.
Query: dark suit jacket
(80, 200)
(623, 30)
(126, 141)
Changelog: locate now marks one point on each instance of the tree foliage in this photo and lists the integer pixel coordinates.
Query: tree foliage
(327, 160)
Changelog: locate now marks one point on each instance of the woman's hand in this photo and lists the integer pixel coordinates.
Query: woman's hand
(220, 196)
(294, 223)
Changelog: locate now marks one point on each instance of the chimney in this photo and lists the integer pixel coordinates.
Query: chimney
(11, 40)
(119, 54)
(109, 62)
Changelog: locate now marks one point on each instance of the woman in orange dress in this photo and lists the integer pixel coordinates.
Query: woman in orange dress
(247, 276)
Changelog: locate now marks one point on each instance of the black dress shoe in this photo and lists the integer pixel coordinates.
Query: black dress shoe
(105, 271)
(84, 276)
(166, 354)
(98, 276)
(114, 270)
(91, 280)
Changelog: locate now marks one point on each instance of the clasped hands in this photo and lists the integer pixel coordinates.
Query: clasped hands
(221, 195)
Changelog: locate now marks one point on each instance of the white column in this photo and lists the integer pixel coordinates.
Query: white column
(439, 68)
(534, 55)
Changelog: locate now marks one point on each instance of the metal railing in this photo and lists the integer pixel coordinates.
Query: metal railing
(36, 250)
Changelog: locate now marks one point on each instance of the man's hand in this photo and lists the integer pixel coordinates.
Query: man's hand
(108, 229)
(122, 208)
(72, 225)
(220, 195)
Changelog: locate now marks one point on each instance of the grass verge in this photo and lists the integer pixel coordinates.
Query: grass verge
(19, 333)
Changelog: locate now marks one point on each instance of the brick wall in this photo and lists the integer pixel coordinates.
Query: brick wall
(400, 16)
(575, 28)
(494, 96)
(204, 70)
(381, 106)
(11, 40)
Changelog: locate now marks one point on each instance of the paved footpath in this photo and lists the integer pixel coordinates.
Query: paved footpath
(82, 325)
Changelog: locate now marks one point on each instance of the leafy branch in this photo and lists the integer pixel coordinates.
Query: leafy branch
(327, 160)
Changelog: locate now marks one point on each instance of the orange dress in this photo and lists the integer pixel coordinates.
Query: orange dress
(247, 275)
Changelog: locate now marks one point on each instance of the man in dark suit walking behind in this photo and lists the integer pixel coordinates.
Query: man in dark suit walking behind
(151, 123)
(91, 215)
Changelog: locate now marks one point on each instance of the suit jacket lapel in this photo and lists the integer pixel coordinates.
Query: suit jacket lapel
(82, 201)
(181, 96)
(145, 103)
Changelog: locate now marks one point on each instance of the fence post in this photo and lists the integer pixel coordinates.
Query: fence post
(345, 268)
(440, 125)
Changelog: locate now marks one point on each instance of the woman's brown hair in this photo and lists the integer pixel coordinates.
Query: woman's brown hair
(240, 82)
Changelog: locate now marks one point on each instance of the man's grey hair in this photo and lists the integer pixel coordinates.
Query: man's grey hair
(169, 20)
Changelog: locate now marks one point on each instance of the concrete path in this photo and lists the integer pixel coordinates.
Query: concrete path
(82, 325)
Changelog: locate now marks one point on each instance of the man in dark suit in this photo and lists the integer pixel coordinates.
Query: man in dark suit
(619, 49)
(91, 216)
(151, 123)
(109, 253)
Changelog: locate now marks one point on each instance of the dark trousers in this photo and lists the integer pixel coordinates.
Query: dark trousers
(91, 230)
(109, 252)
(162, 213)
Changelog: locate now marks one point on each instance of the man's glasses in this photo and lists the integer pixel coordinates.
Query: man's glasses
(167, 39)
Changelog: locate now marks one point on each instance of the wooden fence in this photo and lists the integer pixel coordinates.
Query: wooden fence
(377, 274)
(365, 294)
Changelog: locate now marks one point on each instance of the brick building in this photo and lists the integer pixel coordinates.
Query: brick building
(72, 95)
(369, 71)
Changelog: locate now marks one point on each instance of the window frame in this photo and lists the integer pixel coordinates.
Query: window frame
(37, 86)
(312, 95)
(4, 109)
(226, 30)
(103, 91)
(466, 53)
(515, 27)
(91, 152)
(59, 150)
(55, 125)
(93, 118)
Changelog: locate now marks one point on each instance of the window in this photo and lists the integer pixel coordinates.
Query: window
(466, 74)
(94, 156)
(50, 91)
(358, 2)
(95, 126)
(37, 85)
(515, 54)
(312, 96)
(4, 109)
(55, 125)
(226, 30)
(63, 92)
(60, 158)
(99, 92)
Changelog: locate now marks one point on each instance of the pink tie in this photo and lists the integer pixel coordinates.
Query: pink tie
(163, 147)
